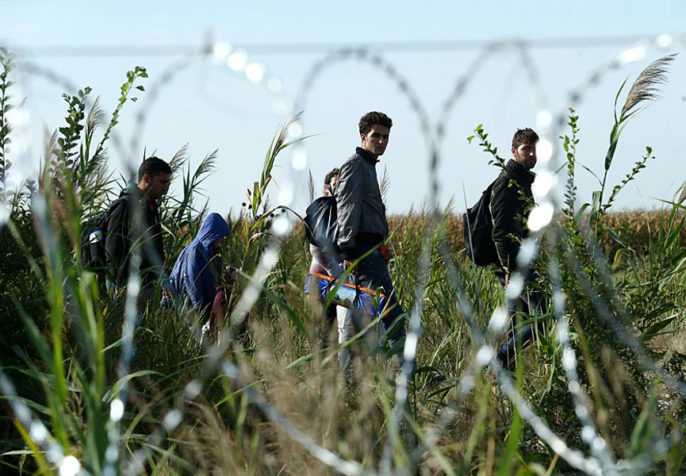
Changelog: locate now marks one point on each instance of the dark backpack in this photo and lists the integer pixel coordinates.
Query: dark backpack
(321, 224)
(478, 231)
(93, 235)
(93, 242)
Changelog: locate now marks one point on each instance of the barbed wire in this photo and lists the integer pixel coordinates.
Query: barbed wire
(601, 460)
(310, 47)
(632, 54)
(366, 56)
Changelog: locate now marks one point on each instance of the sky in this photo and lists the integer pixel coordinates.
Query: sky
(430, 46)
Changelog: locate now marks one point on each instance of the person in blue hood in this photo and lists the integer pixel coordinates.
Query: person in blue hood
(197, 270)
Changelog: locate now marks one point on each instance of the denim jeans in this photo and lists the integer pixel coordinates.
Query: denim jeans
(372, 273)
(529, 302)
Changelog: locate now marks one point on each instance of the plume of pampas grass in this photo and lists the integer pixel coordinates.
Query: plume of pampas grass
(310, 186)
(682, 197)
(384, 184)
(645, 86)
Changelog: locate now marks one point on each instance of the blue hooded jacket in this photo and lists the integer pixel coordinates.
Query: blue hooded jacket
(193, 277)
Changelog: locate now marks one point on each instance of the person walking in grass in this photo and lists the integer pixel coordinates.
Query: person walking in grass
(510, 204)
(196, 276)
(325, 259)
(362, 224)
(328, 261)
(133, 241)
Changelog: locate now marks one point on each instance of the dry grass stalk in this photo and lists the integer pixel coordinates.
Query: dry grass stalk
(644, 88)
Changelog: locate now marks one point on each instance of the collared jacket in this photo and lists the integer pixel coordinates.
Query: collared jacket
(196, 272)
(511, 202)
(133, 226)
(361, 212)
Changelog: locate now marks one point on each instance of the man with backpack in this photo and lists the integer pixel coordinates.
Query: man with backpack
(321, 222)
(133, 234)
(511, 201)
(362, 224)
(320, 228)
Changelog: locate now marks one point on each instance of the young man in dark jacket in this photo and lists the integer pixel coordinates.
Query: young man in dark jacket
(362, 223)
(511, 202)
(134, 235)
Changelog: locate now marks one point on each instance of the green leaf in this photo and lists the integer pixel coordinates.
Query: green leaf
(644, 434)
(292, 315)
(654, 330)
(508, 457)
(616, 237)
(36, 452)
(595, 205)
(111, 393)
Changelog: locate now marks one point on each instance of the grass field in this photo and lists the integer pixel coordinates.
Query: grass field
(89, 384)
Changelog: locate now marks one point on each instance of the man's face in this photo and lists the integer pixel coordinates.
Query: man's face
(218, 242)
(331, 186)
(376, 140)
(156, 187)
(525, 154)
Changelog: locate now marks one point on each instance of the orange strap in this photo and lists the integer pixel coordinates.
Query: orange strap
(348, 285)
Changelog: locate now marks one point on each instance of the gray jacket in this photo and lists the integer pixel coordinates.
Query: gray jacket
(361, 212)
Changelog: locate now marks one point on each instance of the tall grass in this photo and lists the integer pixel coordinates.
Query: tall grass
(601, 391)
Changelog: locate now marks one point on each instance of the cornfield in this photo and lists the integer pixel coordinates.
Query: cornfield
(632, 230)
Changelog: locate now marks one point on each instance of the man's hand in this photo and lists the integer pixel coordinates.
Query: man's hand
(347, 264)
(385, 253)
(166, 296)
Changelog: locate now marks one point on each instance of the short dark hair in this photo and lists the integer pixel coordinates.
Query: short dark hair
(330, 175)
(372, 118)
(524, 136)
(153, 166)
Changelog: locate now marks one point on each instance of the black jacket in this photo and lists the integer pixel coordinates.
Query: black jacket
(133, 227)
(511, 202)
(361, 213)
